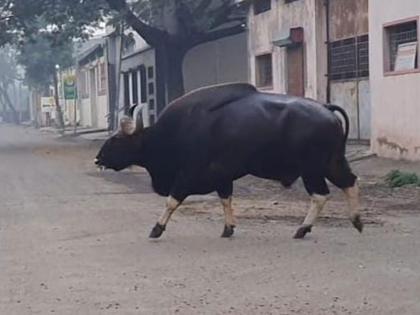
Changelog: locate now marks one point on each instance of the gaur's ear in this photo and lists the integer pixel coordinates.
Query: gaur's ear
(127, 126)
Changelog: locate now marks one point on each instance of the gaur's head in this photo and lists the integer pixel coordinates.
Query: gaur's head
(122, 149)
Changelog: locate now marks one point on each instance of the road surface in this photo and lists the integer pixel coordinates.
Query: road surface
(73, 241)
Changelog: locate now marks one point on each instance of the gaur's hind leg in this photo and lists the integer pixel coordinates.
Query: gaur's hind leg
(341, 175)
(317, 187)
(171, 205)
(225, 194)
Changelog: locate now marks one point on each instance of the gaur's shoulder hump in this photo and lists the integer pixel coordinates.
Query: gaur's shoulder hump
(211, 97)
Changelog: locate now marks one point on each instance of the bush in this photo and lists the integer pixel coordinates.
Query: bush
(396, 178)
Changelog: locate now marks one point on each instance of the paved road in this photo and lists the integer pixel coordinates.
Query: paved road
(75, 242)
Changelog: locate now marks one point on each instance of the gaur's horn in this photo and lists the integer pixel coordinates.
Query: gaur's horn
(127, 126)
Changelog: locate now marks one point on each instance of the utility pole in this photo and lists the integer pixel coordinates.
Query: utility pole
(57, 101)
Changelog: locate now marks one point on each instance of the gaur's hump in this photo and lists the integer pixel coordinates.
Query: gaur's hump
(212, 97)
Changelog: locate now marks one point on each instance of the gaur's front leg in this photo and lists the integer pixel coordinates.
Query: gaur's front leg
(317, 187)
(225, 194)
(171, 205)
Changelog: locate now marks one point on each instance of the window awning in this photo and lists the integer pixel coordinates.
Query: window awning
(294, 38)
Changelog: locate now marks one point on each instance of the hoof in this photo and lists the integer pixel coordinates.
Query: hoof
(357, 223)
(157, 231)
(228, 231)
(301, 232)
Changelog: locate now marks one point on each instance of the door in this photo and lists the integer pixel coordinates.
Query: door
(295, 71)
(93, 100)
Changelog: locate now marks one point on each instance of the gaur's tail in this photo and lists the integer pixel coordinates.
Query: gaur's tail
(335, 108)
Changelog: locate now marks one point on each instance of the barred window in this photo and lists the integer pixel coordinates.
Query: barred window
(261, 6)
(264, 70)
(397, 36)
(349, 58)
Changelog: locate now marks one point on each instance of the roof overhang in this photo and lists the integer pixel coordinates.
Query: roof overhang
(294, 38)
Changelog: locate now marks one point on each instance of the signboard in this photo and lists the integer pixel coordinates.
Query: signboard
(47, 105)
(69, 87)
(406, 56)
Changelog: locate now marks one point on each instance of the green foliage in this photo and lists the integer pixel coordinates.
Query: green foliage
(39, 57)
(63, 19)
(396, 178)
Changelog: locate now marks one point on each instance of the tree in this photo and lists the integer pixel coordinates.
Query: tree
(173, 27)
(43, 31)
(8, 77)
(39, 58)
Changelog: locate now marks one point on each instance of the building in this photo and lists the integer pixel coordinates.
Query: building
(92, 85)
(395, 78)
(316, 49)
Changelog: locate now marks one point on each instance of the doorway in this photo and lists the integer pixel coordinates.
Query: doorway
(295, 71)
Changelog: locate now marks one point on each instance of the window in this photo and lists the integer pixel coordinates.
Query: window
(102, 78)
(349, 58)
(134, 88)
(264, 71)
(401, 47)
(143, 84)
(152, 104)
(150, 72)
(261, 6)
(151, 88)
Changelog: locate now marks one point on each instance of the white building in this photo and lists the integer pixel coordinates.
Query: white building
(92, 81)
(395, 77)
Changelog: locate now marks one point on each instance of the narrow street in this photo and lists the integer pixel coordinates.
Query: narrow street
(74, 241)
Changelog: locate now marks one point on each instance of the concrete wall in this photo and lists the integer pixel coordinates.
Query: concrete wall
(275, 24)
(348, 18)
(224, 60)
(395, 99)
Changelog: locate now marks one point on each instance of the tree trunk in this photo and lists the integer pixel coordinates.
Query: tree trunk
(60, 119)
(8, 103)
(170, 60)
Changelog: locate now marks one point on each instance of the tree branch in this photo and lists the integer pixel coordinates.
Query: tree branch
(201, 8)
(221, 14)
(214, 35)
(150, 34)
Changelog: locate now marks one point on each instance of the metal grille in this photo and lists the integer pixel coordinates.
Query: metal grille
(264, 71)
(400, 34)
(349, 58)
